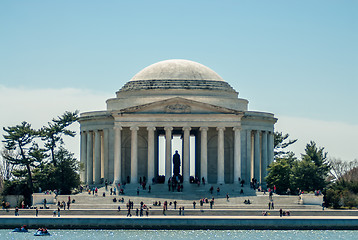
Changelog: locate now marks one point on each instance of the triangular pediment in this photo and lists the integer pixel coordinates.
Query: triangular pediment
(178, 105)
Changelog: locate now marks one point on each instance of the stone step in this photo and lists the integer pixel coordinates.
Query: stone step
(188, 212)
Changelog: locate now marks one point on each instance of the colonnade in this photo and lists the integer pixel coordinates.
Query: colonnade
(95, 157)
(259, 153)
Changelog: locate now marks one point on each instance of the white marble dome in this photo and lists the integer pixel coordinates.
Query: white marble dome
(177, 69)
(176, 78)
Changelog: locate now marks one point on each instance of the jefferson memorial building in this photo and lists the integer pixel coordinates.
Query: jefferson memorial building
(176, 98)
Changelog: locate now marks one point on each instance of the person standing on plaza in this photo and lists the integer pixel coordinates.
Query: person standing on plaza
(129, 210)
(37, 212)
(164, 210)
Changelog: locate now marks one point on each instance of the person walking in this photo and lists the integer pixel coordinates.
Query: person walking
(37, 212)
(58, 212)
(129, 211)
(16, 211)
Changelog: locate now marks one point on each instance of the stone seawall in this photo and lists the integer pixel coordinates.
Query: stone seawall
(182, 222)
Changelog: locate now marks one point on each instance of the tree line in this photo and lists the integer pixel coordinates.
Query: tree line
(338, 180)
(35, 159)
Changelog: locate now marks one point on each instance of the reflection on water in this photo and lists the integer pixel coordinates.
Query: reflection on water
(184, 234)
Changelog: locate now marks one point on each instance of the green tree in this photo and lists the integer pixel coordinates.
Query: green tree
(63, 177)
(24, 152)
(53, 134)
(280, 173)
(281, 142)
(312, 171)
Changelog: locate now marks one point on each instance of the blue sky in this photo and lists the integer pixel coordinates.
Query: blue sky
(297, 59)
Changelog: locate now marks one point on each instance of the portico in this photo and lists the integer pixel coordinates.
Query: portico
(176, 97)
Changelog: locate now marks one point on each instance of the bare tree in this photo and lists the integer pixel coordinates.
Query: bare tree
(5, 166)
(342, 169)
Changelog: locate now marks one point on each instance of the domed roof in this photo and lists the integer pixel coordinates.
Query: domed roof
(177, 69)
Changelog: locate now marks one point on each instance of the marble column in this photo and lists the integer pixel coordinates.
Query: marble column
(221, 155)
(105, 154)
(204, 153)
(257, 155)
(168, 152)
(237, 154)
(248, 155)
(264, 159)
(150, 153)
(90, 158)
(97, 157)
(186, 155)
(117, 154)
(83, 156)
(270, 148)
(134, 154)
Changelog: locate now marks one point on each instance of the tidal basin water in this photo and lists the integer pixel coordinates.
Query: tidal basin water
(183, 234)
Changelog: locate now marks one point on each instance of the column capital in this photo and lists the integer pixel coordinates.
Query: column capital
(203, 128)
(187, 128)
(151, 128)
(134, 128)
(168, 128)
(117, 127)
(220, 128)
(237, 128)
